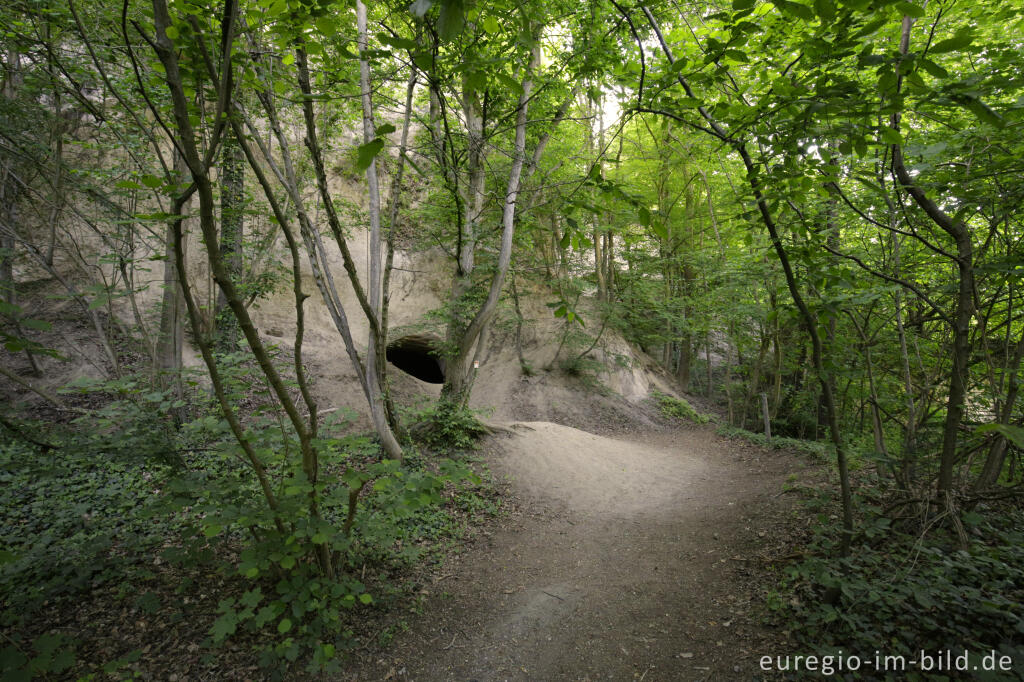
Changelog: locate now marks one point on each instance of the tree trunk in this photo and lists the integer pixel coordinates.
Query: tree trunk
(171, 335)
(961, 236)
(377, 338)
(9, 192)
(187, 141)
(997, 452)
(459, 373)
(232, 213)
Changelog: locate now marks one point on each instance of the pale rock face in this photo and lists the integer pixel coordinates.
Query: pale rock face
(419, 284)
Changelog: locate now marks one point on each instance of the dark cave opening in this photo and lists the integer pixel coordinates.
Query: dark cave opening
(416, 355)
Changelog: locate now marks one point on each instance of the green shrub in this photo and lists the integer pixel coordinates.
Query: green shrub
(448, 427)
(901, 595)
(816, 449)
(581, 366)
(97, 508)
(678, 408)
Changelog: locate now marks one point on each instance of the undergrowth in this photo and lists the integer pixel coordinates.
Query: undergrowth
(139, 524)
(908, 596)
(816, 449)
(446, 427)
(679, 408)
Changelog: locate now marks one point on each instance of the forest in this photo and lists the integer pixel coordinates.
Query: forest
(308, 305)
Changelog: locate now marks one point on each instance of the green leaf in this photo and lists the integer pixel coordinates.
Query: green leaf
(212, 530)
(386, 129)
(327, 25)
(932, 68)
(451, 20)
(690, 102)
(98, 302)
(148, 602)
(398, 42)
(9, 308)
(491, 25)
(860, 145)
(288, 59)
(958, 42)
(659, 228)
(284, 626)
(264, 616)
(423, 61)
(11, 662)
(889, 136)
(366, 598)
(740, 5)
(1014, 434)
(252, 598)
(910, 9)
(288, 562)
(795, 9)
(825, 9)
(151, 181)
(419, 8)
(511, 83)
(871, 184)
(224, 626)
(367, 152)
(38, 325)
(172, 33)
(985, 113)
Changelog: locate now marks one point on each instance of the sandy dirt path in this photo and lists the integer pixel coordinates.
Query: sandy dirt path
(632, 557)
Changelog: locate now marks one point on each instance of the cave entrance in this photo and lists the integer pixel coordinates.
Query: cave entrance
(417, 355)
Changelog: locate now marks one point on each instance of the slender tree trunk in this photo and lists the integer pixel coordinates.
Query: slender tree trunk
(708, 369)
(9, 192)
(199, 169)
(997, 452)
(377, 338)
(519, 328)
(961, 236)
(232, 213)
(908, 458)
(171, 334)
(459, 374)
(810, 322)
(596, 155)
(393, 210)
(369, 374)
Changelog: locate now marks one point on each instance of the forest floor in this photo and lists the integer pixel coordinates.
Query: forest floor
(635, 555)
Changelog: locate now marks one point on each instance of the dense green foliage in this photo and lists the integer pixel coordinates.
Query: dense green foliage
(92, 513)
(679, 408)
(814, 205)
(905, 595)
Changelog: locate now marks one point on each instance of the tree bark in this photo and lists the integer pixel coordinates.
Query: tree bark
(459, 374)
(377, 337)
(961, 236)
(232, 213)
